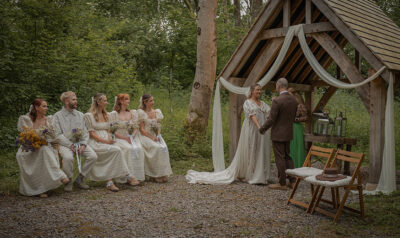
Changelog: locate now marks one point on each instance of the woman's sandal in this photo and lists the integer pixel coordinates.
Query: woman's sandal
(43, 195)
(65, 181)
(110, 186)
(132, 181)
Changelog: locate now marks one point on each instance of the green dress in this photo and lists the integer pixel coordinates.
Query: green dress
(297, 150)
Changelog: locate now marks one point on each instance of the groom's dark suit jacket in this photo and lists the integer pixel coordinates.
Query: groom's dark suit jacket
(281, 118)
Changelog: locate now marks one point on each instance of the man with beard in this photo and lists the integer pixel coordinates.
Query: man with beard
(70, 125)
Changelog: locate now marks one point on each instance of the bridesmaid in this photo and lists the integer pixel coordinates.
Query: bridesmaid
(132, 151)
(110, 163)
(156, 163)
(297, 147)
(40, 169)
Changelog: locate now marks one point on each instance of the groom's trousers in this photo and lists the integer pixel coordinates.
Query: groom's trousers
(68, 160)
(283, 160)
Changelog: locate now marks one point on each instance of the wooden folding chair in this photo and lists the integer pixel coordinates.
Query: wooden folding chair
(315, 153)
(349, 183)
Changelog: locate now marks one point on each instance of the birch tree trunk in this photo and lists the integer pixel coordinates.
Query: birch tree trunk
(203, 85)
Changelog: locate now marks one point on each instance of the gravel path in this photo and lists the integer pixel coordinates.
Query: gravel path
(174, 209)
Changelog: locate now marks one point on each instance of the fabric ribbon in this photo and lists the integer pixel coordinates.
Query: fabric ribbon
(77, 146)
(133, 144)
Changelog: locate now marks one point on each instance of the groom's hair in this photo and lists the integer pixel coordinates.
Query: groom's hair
(66, 95)
(283, 83)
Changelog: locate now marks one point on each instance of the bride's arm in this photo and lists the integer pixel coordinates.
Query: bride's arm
(254, 119)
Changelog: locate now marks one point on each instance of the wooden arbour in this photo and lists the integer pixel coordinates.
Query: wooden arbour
(329, 26)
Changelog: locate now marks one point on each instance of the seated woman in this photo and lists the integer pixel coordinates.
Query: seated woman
(39, 169)
(110, 163)
(156, 162)
(132, 150)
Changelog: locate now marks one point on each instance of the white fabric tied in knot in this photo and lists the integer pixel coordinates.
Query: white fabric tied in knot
(387, 181)
(77, 146)
(115, 101)
(30, 108)
(93, 103)
(141, 102)
(134, 146)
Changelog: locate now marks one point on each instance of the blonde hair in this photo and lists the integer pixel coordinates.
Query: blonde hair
(66, 95)
(296, 94)
(93, 108)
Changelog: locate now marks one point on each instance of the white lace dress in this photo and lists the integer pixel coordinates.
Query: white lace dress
(251, 162)
(110, 163)
(156, 155)
(132, 153)
(39, 170)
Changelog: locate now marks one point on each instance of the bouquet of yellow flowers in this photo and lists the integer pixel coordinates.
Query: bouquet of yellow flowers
(30, 140)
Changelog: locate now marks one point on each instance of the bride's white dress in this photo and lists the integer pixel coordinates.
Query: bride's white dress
(251, 162)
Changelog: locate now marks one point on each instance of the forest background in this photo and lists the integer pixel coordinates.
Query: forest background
(131, 46)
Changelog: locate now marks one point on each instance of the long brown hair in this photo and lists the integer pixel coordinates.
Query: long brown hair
(120, 97)
(93, 108)
(145, 98)
(296, 94)
(252, 87)
(36, 103)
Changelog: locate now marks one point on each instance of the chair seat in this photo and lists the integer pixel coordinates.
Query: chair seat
(304, 172)
(337, 183)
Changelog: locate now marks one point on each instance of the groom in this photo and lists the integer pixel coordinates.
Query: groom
(280, 120)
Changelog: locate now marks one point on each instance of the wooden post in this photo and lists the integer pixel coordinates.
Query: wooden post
(234, 119)
(286, 13)
(308, 12)
(378, 93)
(309, 96)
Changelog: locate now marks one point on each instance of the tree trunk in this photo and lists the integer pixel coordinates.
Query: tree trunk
(203, 85)
(236, 13)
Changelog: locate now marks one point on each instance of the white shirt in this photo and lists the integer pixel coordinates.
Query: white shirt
(65, 121)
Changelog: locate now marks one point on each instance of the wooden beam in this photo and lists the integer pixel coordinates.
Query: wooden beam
(325, 99)
(286, 13)
(308, 12)
(309, 96)
(344, 62)
(234, 119)
(298, 87)
(351, 37)
(326, 63)
(264, 61)
(376, 128)
(310, 28)
(248, 44)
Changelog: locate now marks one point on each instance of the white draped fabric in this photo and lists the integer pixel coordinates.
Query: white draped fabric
(387, 182)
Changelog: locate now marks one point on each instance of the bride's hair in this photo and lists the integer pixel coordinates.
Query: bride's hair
(93, 108)
(32, 112)
(144, 98)
(252, 87)
(120, 97)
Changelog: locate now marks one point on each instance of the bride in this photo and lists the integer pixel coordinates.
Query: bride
(251, 162)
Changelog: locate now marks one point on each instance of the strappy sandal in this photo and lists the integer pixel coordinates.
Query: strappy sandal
(110, 186)
(132, 181)
(43, 195)
(65, 181)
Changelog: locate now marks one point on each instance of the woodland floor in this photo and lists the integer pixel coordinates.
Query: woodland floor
(175, 209)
